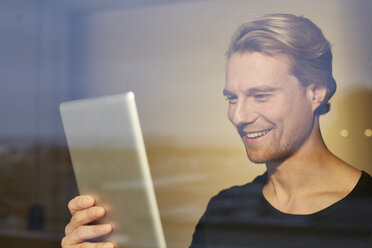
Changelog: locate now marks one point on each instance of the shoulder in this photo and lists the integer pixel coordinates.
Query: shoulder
(227, 205)
(366, 179)
(253, 186)
(227, 209)
(362, 193)
(364, 186)
(355, 208)
(238, 195)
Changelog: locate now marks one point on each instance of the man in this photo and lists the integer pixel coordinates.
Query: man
(279, 80)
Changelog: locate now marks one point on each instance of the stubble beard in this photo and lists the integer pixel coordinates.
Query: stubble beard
(268, 155)
(273, 153)
(276, 151)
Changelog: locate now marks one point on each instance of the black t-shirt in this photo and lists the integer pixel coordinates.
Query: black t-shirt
(241, 217)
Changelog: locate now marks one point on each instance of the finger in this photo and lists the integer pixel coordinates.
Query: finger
(84, 217)
(84, 233)
(80, 202)
(90, 245)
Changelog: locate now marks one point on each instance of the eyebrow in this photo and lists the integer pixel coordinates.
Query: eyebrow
(261, 89)
(252, 91)
(225, 92)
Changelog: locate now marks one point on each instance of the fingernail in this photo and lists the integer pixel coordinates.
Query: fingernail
(87, 201)
(97, 211)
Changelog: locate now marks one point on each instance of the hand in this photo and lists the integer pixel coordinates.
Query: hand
(77, 231)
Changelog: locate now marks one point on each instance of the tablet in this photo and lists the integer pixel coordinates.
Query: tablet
(109, 161)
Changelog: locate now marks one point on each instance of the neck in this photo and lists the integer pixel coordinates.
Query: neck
(310, 159)
(312, 169)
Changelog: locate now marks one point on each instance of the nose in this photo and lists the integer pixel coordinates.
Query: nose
(242, 113)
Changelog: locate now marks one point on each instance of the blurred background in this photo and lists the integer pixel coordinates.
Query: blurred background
(171, 54)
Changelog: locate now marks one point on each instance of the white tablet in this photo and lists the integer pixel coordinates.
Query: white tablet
(109, 161)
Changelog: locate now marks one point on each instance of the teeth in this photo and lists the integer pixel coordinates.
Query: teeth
(257, 134)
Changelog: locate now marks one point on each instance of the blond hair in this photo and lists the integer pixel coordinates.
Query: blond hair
(295, 37)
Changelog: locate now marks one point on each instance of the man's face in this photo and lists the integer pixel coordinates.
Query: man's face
(270, 109)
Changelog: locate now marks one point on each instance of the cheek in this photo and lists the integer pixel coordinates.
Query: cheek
(278, 112)
(300, 116)
(289, 115)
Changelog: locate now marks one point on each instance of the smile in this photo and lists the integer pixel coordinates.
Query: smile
(254, 135)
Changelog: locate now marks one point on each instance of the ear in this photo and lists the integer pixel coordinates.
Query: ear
(316, 94)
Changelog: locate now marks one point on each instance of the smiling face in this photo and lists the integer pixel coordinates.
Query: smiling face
(271, 110)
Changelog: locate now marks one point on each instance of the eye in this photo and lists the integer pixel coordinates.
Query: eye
(231, 99)
(262, 97)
